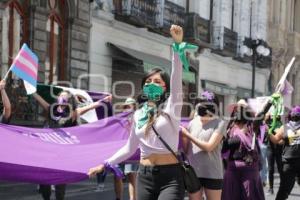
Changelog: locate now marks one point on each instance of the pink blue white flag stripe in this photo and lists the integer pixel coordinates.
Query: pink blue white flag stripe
(25, 66)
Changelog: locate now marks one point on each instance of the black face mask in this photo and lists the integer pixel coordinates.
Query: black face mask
(66, 112)
(202, 111)
(295, 118)
(242, 116)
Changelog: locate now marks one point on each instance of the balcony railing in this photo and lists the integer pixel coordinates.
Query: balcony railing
(197, 29)
(225, 41)
(230, 40)
(142, 13)
(172, 14)
(157, 15)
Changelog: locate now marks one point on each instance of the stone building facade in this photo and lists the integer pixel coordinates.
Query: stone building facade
(58, 31)
(284, 36)
(219, 28)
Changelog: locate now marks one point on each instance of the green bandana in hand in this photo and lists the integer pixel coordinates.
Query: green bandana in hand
(153, 91)
(144, 114)
(277, 102)
(181, 49)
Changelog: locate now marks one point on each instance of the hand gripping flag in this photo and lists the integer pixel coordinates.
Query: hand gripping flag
(25, 66)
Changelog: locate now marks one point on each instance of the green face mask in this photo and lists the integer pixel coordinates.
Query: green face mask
(153, 91)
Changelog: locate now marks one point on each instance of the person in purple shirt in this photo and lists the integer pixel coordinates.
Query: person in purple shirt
(6, 114)
(242, 179)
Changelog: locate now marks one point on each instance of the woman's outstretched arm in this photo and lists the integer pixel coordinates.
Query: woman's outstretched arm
(45, 105)
(5, 101)
(174, 104)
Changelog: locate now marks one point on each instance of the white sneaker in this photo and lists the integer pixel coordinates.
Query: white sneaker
(100, 187)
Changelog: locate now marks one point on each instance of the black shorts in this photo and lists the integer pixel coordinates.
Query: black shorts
(211, 184)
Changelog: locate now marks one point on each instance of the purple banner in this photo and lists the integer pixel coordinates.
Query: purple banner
(56, 156)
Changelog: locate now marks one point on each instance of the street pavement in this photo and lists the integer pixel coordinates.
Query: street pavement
(87, 190)
(295, 194)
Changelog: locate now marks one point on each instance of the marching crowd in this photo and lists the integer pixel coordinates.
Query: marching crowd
(211, 156)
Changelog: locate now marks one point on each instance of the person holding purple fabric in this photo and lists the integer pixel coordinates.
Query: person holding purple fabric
(202, 141)
(129, 169)
(64, 113)
(290, 134)
(159, 175)
(242, 179)
(6, 114)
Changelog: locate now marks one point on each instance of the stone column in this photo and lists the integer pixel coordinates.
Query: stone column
(226, 13)
(79, 46)
(244, 18)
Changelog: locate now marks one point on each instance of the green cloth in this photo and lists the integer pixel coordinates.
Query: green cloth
(144, 114)
(45, 92)
(153, 91)
(277, 102)
(181, 49)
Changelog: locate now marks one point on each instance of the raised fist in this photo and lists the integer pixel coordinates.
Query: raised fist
(176, 33)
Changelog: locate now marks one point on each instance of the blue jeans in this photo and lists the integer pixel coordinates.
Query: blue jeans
(264, 170)
(131, 168)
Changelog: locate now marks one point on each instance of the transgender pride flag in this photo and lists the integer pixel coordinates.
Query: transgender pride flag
(25, 66)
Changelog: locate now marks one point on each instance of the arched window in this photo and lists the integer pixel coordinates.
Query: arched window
(15, 32)
(55, 60)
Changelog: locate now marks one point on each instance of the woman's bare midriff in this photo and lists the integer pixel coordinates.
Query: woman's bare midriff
(159, 159)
